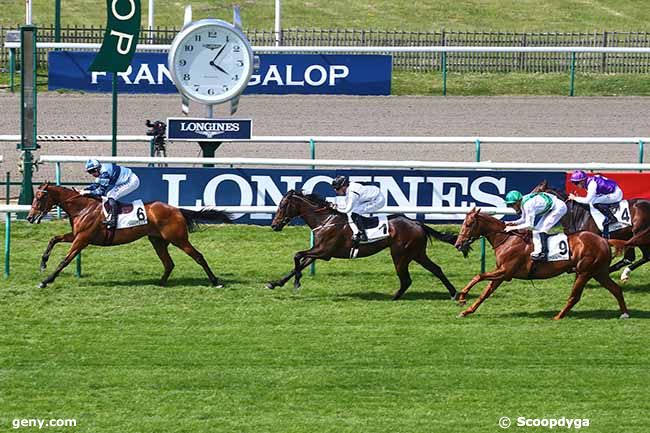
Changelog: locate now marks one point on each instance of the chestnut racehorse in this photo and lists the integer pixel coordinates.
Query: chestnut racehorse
(333, 239)
(590, 258)
(165, 224)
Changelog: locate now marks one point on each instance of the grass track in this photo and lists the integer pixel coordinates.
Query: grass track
(120, 354)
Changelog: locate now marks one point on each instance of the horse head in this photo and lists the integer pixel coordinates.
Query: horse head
(287, 210)
(41, 205)
(469, 231)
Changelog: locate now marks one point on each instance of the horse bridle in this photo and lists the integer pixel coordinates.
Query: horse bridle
(288, 219)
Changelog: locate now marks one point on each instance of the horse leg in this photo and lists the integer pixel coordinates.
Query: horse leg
(607, 282)
(282, 281)
(160, 245)
(576, 293)
(625, 276)
(187, 247)
(497, 274)
(491, 287)
(78, 244)
(68, 237)
(436, 270)
(401, 263)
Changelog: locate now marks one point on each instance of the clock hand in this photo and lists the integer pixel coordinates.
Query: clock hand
(219, 68)
(218, 54)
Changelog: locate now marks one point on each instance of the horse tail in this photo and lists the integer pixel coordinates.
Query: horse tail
(449, 238)
(204, 216)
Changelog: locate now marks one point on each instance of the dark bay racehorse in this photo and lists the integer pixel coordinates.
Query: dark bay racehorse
(590, 258)
(333, 239)
(165, 224)
(578, 218)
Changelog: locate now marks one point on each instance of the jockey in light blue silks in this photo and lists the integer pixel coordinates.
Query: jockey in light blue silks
(601, 192)
(112, 181)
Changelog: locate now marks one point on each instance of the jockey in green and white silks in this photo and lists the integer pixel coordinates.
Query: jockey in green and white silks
(538, 211)
(359, 199)
(112, 181)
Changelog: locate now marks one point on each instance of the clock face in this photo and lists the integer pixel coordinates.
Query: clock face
(211, 61)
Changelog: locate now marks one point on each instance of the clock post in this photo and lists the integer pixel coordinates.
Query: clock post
(210, 62)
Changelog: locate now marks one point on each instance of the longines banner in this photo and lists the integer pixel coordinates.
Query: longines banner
(265, 187)
(185, 128)
(278, 74)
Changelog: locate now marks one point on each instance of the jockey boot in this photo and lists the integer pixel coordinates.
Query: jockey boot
(111, 220)
(360, 236)
(609, 217)
(542, 256)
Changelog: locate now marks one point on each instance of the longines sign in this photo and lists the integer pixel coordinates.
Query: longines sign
(265, 187)
(184, 128)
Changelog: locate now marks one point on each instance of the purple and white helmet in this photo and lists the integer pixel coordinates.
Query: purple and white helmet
(578, 175)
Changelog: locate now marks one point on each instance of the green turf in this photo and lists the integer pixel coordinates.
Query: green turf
(511, 15)
(120, 354)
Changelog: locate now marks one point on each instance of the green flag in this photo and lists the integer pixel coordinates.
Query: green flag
(121, 37)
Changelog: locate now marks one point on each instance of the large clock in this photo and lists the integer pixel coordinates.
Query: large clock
(210, 61)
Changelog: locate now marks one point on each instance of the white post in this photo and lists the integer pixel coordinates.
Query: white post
(278, 29)
(150, 21)
(28, 12)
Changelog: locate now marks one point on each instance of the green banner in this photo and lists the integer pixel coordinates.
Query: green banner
(121, 37)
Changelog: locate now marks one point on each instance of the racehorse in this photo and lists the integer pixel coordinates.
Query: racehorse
(407, 240)
(590, 258)
(578, 218)
(165, 224)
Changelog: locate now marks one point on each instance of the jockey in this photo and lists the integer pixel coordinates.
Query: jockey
(359, 199)
(539, 204)
(112, 181)
(601, 192)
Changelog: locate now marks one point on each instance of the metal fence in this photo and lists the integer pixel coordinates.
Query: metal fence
(424, 62)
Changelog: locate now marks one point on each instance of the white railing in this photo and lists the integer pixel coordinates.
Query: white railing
(271, 209)
(443, 165)
(358, 139)
(340, 49)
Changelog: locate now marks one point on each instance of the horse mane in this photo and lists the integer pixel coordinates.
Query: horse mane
(313, 198)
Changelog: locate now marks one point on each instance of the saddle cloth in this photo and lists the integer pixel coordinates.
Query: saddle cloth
(558, 247)
(129, 214)
(620, 210)
(376, 228)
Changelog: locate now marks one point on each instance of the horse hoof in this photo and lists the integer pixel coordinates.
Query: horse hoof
(462, 314)
(270, 286)
(42, 285)
(558, 317)
(462, 302)
(455, 297)
(624, 316)
(43, 267)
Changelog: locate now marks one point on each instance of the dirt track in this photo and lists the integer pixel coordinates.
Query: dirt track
(365, 116)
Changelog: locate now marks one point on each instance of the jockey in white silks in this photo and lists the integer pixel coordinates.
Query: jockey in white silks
(547, 207)
(112, 181)
(359, 199)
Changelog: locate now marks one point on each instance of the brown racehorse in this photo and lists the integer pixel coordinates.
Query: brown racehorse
(165, 224)
(590, 258)
(333, 239)
(578, 218)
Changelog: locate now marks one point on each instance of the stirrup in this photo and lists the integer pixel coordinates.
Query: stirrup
(540, 257)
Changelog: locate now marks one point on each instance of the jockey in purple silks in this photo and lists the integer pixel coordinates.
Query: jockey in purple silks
(601, 192)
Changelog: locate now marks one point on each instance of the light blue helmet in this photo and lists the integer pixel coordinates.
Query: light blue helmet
(92, 164)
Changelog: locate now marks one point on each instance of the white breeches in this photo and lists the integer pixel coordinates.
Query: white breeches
(121, 190)
(552, 218)
(371, 206)
(613, 197)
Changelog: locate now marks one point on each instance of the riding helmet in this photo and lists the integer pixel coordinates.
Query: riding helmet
(92, 164)
(513, 197)
(340, 181)
(578, 176)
